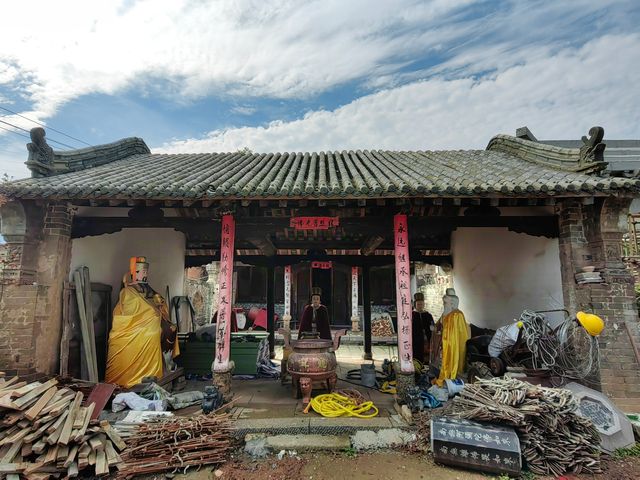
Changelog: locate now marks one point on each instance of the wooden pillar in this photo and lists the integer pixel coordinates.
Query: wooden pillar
(403, 292)
(271, 308)
(222, 367)
(366, 310)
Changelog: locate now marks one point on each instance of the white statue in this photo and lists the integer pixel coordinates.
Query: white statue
(450, 302)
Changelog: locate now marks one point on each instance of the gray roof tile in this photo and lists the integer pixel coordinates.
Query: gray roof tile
(501, 169)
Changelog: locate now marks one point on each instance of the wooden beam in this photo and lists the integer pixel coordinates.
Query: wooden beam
(206, 228)
(265, 245)
(366, 310)
(370, 244)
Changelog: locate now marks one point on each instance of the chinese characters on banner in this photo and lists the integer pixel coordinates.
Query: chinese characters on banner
(321, 265)
(314, 223)
(354, 291)
(287, 290)
(225, 281)
(403, 292)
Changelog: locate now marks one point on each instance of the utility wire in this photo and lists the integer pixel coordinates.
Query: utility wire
(49, 139)
(21, 134)
(47, 126)
(13, 131)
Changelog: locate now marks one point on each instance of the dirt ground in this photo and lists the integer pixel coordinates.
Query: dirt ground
(382, 465)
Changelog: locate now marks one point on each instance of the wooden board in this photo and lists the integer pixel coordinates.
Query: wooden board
(68, 424)
(66, 331)
(85, 423)
(100, 395)
(23, 401)
(34, 411)
(87, 340)
(113, 435)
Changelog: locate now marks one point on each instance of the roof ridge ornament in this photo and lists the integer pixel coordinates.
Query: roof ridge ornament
(588, 159)
(40, 160)
(593, 148)
(43, 161)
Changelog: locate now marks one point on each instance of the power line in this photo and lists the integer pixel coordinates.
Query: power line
(13, 131)
(43, 125)
(49, 139)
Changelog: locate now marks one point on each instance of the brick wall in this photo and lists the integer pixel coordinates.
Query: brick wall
(31, 294)
(591, 235)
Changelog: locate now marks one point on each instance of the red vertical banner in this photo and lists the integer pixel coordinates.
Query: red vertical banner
(225, 280)
(354, 292)
(287, 290)
(403, 292)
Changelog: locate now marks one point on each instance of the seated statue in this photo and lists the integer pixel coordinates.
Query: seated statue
(315, 318)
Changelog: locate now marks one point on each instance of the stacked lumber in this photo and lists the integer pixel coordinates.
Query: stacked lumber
(554, 438)
(45, 431)
(382, 327)
(176, 443)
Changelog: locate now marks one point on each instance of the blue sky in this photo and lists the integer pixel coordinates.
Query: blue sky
(194, 76)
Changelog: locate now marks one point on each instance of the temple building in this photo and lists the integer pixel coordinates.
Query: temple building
(511, 227)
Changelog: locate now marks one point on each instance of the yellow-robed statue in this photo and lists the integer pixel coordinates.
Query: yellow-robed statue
(141, 330)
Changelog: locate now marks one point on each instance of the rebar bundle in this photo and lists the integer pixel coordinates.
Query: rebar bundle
(177, 444)
(554, 439)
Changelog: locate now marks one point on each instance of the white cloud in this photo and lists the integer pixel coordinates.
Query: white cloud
(52, 52)
(560, 96)
(63, 50)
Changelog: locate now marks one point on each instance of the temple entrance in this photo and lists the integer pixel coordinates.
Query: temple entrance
(335, 285)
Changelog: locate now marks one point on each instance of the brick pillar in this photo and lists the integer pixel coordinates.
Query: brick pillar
(31, 281)
(592, 235)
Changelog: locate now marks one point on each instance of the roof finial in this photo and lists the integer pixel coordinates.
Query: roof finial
(39, 149)
(593, 148)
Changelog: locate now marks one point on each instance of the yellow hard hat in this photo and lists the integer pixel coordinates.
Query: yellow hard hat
(593, 324)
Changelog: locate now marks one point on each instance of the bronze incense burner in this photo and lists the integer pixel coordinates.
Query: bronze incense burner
(312, 360)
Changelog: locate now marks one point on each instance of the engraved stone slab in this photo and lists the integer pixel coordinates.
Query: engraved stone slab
(476, 446)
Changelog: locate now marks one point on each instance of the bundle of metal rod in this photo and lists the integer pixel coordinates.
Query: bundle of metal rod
(554, 439)
(175, 444)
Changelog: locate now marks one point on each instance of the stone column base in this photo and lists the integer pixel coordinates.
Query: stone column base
(222, 381)
(404, 381)
(355, 323)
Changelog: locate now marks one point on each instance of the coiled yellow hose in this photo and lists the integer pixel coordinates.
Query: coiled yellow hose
(334, 405)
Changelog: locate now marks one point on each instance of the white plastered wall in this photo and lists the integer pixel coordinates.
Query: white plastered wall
(107, 257)
(497, 274)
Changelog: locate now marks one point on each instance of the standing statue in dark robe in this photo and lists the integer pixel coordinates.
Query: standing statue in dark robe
(421, 324)
(315, 318)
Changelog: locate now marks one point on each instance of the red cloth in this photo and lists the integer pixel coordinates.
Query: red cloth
(260, 319)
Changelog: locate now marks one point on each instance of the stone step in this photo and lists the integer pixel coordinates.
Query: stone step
(259, 444)
(307, 425)
(302, 443)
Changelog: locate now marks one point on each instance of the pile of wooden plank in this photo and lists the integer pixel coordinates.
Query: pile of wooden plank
(46, 432)
(553, 437)
(177, 443)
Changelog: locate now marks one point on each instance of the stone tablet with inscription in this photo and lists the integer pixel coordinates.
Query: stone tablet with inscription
(476, 446)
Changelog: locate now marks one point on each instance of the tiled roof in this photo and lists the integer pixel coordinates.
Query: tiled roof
(501, 169)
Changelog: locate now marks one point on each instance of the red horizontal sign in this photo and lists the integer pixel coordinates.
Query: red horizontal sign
(321, 265)
(314, 223)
